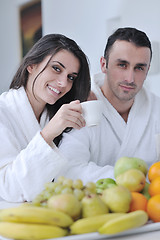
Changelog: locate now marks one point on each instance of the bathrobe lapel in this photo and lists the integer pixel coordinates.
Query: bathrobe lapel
(129, 134)
(137, 124)
(27, 120)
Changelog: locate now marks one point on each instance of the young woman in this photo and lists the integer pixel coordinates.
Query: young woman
(43, 102)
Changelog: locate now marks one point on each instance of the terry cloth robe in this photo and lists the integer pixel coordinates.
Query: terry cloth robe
(93, 151)
(27, 162)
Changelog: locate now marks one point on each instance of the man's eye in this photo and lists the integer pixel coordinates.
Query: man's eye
(122, 65)
(57, 69)
(139, 68)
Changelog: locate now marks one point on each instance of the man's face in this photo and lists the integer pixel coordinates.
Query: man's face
(127, 69)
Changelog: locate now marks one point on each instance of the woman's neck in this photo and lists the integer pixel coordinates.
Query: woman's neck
(36, 106)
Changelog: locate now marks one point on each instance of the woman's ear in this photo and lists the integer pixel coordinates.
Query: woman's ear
(30, 68)
(103, 64)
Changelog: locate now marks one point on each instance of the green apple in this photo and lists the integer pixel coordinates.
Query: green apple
(117, 198)
(125, 163)
(145, 191)
(104, 183)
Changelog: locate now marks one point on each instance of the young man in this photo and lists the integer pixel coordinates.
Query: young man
(130, 123)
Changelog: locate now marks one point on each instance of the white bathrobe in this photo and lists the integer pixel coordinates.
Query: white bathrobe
(93, 151)
(27, 162)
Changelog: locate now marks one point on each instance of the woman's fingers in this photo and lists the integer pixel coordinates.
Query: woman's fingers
(69, 115)
(73, 113)
(76, 120)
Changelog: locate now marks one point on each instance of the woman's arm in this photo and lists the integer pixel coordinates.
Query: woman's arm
(25, 170)
(83, 162)
(69, 115)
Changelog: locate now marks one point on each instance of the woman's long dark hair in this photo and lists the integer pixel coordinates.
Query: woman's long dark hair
(50, 45)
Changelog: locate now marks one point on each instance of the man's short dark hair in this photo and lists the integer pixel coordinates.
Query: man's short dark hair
(129, 34)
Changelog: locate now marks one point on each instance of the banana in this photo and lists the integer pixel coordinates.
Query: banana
(92, 224)
(28, 231)
(35, 215)
(125, 222)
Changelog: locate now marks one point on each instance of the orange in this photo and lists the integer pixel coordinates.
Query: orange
(154, 187)
(138, 202)
(154, 171)
(153, 208)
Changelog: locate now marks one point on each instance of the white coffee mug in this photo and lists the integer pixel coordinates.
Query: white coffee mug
(92, 112)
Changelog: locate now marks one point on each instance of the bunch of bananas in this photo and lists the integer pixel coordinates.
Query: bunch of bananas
(35, 223)
(30, 222)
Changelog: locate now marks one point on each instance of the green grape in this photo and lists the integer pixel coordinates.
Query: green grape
(88, 191)
(91, 186)
(61, 179)
(93, 190)
(50, 192)
(56, 184)
(78, 193)
(44, 204)
(66, 190)
(39, 199)
(50, 186)
(68, 182)
(77, 184)
(58, 189)
(49, 195)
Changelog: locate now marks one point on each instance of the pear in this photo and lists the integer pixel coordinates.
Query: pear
(117, 198)
(104, 183)
(133, 179)
(125, 163)
(92, 205)
(67, 203)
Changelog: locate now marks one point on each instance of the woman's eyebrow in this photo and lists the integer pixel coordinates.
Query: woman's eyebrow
(65, 67)
(59, 63)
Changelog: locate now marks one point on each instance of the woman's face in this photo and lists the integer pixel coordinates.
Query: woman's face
(56, 80)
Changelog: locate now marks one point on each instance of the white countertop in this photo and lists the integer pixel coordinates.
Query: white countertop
(150, 232)
(4, 204)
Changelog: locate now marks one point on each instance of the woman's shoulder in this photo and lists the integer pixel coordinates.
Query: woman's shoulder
(4, 98)
(9, 97)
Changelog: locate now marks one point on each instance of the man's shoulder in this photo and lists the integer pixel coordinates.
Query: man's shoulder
(151, 94)
(98, 79)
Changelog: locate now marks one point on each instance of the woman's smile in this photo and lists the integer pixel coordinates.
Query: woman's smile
(53, 89)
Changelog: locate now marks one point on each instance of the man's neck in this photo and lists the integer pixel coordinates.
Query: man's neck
(124, 114)
(123, 108)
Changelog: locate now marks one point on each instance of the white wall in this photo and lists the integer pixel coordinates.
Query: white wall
(89, 22)
(145, 16)
(83, 20)
(9, 40)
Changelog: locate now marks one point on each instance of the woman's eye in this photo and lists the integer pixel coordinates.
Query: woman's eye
(57, 69)
(72, 78)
